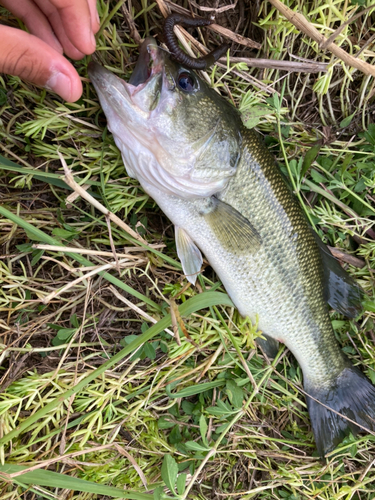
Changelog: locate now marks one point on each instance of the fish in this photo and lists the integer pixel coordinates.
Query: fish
(227, 198)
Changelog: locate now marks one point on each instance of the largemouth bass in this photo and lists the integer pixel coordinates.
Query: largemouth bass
(221, 188)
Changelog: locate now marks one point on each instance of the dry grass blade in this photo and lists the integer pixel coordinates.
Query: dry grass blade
(345, 257)
(216, 10)
(302, 24)
(235, 37)
(216, 28)
(340, 29)
(303, 67)
(82, 192)
(87, 251)
(138, 309)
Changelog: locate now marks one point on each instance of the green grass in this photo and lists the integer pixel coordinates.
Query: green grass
(205, 416)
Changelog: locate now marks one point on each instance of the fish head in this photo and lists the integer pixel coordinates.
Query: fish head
(176, 134)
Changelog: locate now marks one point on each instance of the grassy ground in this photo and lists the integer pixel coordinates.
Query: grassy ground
(91, 416)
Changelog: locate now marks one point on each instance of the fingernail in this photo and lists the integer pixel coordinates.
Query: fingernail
(61, 84)
(97, 17)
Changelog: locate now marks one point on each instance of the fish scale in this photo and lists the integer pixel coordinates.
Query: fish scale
(272, 283)
(259, 192)
(220, 186)
(281, 282)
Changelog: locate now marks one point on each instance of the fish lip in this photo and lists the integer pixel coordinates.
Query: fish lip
(151, 55)
(155, 62)
(103, 79)
(150, 62)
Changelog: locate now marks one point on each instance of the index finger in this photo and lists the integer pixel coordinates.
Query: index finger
(76, 19)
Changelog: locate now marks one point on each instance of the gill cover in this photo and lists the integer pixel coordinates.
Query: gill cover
(175, 133)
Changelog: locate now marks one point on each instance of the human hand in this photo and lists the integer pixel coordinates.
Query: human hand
(56, 27)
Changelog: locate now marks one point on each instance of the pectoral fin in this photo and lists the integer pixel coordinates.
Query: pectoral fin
(341, 291)
(234, 231)
(189, 255)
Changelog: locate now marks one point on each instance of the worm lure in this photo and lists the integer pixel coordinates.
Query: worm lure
(178, 54)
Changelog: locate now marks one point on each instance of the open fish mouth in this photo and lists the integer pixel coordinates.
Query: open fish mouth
(150, 64)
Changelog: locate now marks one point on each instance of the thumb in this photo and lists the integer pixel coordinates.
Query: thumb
(28, 57)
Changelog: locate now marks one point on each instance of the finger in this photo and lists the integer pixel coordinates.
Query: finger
(35, 20)
(75, 19)
(53, 16)
(28, 57)
(95, 21)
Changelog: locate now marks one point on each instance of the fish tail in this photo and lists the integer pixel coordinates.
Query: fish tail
(352, 397)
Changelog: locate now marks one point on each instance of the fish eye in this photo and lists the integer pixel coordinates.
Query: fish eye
(187, 82)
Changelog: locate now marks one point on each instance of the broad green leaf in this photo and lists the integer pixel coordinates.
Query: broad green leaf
(235, 393)
(64, 233)
(370, 134)
(318, 177)
(36, 256)
(353, 450)
(25, 247)
(149, 351)
(252, 116)
(169, 471)
(192, 445)
(220, 411)
(336, 324)
(309, 158)
(74, 320)
(181, 481)
(175, 435)
(369, 305)
(164, 423)
(346, 121)
(187, 407)
(158, 493)
(65, 333)
(3, 97)
(203, 428)
(348, 158)
(194, 389)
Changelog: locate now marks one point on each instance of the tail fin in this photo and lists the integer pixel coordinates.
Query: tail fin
(351, 395)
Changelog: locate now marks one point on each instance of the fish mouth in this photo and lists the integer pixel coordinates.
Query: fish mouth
(150, 64)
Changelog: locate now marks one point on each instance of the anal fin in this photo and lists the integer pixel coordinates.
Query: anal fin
(189, 255)
(341, 291)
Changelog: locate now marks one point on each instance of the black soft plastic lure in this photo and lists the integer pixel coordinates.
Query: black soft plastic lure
(178, 54)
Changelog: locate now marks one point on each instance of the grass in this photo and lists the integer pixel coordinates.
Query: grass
(98, 399)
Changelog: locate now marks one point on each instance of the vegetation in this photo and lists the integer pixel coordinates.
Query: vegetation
(119, 380)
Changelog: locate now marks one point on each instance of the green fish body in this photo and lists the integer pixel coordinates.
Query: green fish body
(219, 185)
